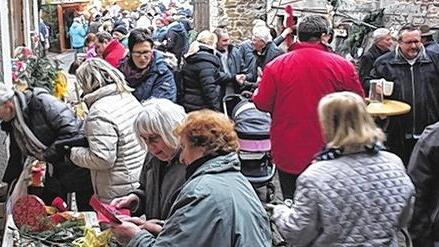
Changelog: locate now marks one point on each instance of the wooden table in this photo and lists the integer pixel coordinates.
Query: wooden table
(388, 108)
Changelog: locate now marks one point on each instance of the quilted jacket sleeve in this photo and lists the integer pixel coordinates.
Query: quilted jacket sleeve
(102, 137)
(300, 224)
(265, 94)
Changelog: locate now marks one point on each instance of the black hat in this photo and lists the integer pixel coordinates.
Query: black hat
(425, 31)
(121, 29)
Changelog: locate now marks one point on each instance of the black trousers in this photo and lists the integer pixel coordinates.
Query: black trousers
(287, 184)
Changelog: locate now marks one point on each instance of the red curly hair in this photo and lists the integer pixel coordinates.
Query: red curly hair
(209, 129)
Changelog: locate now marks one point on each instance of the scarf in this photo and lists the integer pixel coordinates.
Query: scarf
(26, 140)
(133, 75)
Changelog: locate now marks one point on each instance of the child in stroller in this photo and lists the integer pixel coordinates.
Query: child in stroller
(253, 129)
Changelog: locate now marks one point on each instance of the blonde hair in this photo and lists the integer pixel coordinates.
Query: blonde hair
(96, 73)
(206, 38)
(161, 117)
(209, 129)
(345, 121)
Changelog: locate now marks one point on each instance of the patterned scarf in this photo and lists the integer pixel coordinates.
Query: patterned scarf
(26, 140)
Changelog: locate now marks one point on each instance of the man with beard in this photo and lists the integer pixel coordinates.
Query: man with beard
(231, 63)
(415, 74)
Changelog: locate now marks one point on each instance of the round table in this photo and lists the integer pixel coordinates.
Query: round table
(388, 108)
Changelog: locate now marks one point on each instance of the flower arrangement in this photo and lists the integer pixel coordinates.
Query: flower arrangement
(31, 68)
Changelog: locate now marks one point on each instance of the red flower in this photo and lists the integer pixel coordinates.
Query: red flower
(26, 52)
(14, 76)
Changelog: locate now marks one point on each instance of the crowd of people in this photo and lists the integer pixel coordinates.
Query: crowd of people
(155, 141)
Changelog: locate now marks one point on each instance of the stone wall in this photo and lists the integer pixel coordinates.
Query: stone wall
(238, 15)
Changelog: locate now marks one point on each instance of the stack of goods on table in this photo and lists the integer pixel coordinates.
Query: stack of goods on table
(41, 225)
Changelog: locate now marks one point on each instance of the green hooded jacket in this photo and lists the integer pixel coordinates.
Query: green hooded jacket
(217, 206)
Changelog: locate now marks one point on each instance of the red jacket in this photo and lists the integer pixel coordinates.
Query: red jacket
(291, 88)
(114, 53)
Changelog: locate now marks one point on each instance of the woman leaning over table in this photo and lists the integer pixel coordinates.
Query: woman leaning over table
(162, 174)
(217, 206)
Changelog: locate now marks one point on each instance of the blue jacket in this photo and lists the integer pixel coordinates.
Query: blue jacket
(160, 34)
(77, 33)
(155, 81)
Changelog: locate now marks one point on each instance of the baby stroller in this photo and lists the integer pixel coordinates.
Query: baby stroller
(253, 129)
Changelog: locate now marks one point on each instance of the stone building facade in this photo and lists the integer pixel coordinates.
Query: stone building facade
(238, 15)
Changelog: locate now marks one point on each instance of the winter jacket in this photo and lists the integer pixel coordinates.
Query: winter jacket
(360, 199)
(160, 34)
(270, 52)
(417, 85)
(177, 40)
(248, 58)
(235, 67)
(157, 194)
(424, 172)
(292, 100)
(432, 47)
(94, 26)
(50, 120)
(201, 81)
(366, 63)
(114, 53)
(115, 156)
(217, 206)
(77, 33)
(155, 81)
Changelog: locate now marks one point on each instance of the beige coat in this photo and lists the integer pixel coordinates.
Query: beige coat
(115, 156)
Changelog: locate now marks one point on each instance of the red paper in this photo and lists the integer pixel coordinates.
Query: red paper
(107, 213)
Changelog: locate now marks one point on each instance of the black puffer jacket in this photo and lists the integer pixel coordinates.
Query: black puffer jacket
(418, 85)
(50, 120)
(424, 172)
(201, 81)
(365, 64)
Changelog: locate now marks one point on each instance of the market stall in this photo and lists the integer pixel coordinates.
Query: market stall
(59, 16)
(28, 221)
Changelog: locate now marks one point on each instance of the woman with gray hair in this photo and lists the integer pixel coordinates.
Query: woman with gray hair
(355, 194)
(162, 172)
(115, 155)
